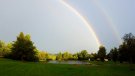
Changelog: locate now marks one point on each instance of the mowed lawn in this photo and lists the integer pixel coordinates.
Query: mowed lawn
(17, 68)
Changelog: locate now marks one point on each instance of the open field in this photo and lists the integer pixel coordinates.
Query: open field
(16, 68)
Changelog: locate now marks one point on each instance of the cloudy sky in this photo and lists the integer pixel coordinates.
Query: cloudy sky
(54, 27)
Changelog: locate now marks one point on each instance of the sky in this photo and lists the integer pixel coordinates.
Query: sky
(54, 27)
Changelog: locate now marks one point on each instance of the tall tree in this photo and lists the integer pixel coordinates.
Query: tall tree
(123, 52)
(24, 49)
(114, 54)
(128, 47)
(102, 53)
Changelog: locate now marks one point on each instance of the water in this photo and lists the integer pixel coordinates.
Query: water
(68, 62)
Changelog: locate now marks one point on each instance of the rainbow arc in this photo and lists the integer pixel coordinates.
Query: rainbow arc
(84, 20)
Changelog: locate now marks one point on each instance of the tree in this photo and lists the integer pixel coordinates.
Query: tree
(8, 50)
(123, 53)
(83, 55)
(102, 53)
(59, 56)
(2, 45)
(94, 56)
(5, 49)
(51, 57)
(75, 56)
(42, 55)
(65, 56)
(127, 49)
(114, 54)
(24, 49)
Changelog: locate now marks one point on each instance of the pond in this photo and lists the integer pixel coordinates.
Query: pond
(68, 62)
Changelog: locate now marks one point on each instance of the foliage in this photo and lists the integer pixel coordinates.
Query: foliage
(114, 54)
(59, 56)
(23, 48)
(51, 57)
(93, 56)
(5, 49)
(43, 55)
(127, 49)
(123, 52)
(83, 55)
(75, 57)
(2, 46)
(65, 56)
(102, 53)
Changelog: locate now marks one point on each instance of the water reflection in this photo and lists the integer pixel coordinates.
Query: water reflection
(68, 62)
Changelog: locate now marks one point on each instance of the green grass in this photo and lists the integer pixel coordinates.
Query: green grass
(17, 68)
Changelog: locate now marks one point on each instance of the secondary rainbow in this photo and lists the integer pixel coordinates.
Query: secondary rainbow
(88, 25)
(108, 19)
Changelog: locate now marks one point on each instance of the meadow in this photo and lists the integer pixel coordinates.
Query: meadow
(18, 68)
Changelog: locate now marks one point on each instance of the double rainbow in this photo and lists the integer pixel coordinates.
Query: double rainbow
(89, 25)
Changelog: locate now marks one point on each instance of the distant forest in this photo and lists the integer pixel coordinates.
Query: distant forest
(23, 49)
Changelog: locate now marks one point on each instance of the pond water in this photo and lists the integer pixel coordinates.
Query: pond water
(68, 62)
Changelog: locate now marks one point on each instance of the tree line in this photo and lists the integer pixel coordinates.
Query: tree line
(24, 49)
(126, 51)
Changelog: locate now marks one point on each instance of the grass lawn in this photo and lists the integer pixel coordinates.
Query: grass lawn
(16, 68)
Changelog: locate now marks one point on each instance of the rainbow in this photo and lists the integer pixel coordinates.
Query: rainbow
(84, 20)
(108, 19)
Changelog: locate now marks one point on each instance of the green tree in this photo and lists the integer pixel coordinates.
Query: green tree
(75, 56)
(59, 56)
(127, 49)
(42, 55)
(65, 56)
(24, 49)
(70, 56)
(123, 53)
(2, 45)
(83, 55)
(8, 50)
(102, 53)
(93, 56)
(114, 54)
(5, 49)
